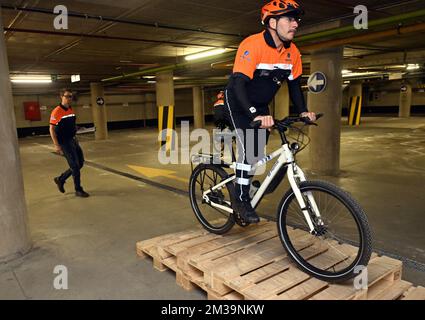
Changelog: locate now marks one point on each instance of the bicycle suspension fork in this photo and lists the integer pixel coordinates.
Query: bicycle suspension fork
(295, 176)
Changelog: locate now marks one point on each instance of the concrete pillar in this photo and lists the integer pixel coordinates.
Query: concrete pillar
(281, 105)
(198, 108)
(405, 101)
(326, 138)
(355, 89)
(165, 89)
(14, 237)
(99, 111)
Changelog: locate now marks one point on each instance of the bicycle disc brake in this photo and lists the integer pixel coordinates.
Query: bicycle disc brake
(319, 227)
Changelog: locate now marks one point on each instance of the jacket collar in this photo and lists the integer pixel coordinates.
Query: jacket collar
(64, 108)
(269, 39)
(270, 42)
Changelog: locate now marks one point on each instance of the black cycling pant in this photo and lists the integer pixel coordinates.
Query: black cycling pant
(75, 158)
(251, 145)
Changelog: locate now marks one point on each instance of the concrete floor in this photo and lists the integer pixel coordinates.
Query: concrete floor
(383, 166)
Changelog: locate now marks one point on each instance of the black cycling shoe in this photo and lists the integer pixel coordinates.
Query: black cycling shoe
(82, 194)
(247, 212)
(60, 184)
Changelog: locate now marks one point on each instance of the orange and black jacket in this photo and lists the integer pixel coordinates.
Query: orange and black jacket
(64, 121)
(259, 69)
(219, 103)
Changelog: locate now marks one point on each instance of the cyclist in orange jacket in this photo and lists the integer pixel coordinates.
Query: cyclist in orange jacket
(263, 62)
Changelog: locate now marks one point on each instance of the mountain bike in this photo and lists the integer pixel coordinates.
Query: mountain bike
(312, 217)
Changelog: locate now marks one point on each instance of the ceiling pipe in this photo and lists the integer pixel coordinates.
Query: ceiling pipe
(93, 36)
(87, 16)
(408, 56)
(339, 42)
(151, 71)
(324, 44)
(379, 9)
(318, 35)
(365, 37)
(374, 23)
(300, 40)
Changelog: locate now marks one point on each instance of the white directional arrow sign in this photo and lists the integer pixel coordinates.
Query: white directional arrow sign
(317, 82)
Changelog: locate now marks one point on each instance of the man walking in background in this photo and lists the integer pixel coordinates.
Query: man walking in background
(63, 130)
(220, 120)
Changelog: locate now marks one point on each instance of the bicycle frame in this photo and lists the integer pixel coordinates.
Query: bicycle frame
(294, 173)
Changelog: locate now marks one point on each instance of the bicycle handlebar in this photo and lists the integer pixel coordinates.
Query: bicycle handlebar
(288, 121)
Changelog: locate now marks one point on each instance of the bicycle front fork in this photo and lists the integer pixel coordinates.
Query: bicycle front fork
(305, 200)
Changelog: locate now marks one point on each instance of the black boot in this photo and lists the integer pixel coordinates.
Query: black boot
(246, 211)
(81, 193)
(60, 184)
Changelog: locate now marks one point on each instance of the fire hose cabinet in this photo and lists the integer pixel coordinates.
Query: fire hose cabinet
(32, 111)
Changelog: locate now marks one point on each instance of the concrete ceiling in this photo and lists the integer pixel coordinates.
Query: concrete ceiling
(161, 32)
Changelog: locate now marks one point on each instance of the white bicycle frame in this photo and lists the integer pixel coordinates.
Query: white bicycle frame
(294, 173)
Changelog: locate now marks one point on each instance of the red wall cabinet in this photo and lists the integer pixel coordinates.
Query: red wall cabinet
(32, 111)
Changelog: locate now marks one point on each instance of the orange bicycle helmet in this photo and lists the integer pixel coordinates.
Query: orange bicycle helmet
(278, 8)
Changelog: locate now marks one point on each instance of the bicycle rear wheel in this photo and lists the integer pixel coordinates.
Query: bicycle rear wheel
(342, 238)
(203, 178)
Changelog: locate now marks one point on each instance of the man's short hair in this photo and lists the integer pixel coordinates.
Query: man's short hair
(64, 90)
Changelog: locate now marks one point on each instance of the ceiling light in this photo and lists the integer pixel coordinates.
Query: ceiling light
(205, 54)
(30, 79)
(149, 77)
(395, 76)
(346, 71)
(359, 74)
(75, 78)
(396, 66)
(385, 67)
(412, 66)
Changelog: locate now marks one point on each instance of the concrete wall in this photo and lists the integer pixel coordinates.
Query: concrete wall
(382, 98)
(120, 108)
(123, 107)
(387, 94)
(130, 107)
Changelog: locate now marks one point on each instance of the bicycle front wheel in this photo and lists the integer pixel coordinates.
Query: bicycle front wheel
(216, 220)
(341, 240)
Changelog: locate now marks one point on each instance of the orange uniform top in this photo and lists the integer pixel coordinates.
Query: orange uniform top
(257, 54)
(64, 121)
(219, 103)
(265, 67)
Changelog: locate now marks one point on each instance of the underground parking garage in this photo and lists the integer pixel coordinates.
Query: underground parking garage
(134, 161)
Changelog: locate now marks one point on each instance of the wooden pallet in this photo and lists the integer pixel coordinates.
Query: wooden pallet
(414, 293)
(251, 264)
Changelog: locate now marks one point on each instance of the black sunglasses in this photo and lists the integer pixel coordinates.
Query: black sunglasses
(292, 19)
